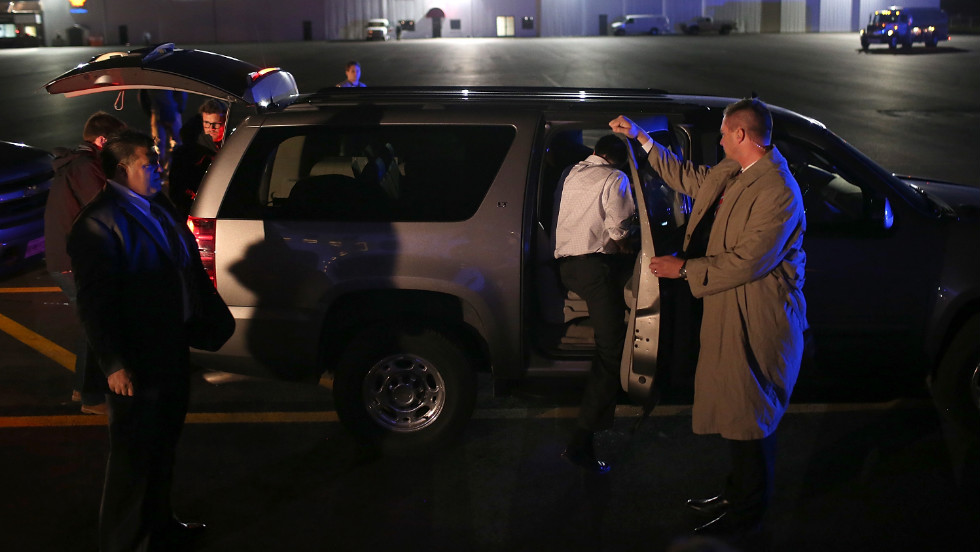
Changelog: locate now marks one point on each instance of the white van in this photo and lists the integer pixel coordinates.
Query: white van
(377, 29)
(641, 25)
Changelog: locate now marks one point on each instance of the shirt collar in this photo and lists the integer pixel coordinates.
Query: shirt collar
(594, 159)
(133, 198)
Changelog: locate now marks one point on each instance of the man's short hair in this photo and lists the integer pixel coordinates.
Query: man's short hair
(756, 116)
(612, 148)
(213, 106)
(121, 148)
(101, 124)
(350, 64)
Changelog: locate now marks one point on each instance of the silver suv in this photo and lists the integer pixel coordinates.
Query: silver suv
(400, 239)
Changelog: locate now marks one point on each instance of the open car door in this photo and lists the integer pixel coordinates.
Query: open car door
(639, 364)
(661, 332)
(194, 71)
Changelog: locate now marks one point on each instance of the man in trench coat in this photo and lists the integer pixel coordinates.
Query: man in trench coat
(747, 264)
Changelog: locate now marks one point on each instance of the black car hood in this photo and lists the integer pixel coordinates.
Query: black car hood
(962, 199)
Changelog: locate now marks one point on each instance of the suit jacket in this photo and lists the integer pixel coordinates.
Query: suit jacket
(751, 280)
(131, 291)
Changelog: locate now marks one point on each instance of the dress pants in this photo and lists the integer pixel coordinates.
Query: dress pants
(599, 280)
(749, 486)
(143, 431)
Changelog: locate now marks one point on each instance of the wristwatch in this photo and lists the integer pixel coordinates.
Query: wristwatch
(683, 271)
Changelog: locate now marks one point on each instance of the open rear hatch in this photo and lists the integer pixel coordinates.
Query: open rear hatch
(193, 71)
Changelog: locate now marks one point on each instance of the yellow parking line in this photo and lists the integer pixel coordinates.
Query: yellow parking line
(31, 290)
(192, 418)
(330, 416)
(37, 342)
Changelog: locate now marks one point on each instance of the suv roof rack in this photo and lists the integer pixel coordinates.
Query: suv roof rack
(482, 93)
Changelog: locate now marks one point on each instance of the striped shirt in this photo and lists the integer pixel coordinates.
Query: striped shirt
(596, 208)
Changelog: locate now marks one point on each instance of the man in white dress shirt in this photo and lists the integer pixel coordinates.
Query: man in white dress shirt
(594, 259)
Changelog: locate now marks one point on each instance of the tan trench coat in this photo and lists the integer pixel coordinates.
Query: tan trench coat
(751, 281)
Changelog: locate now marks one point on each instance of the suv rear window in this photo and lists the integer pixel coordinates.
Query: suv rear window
(382, 173)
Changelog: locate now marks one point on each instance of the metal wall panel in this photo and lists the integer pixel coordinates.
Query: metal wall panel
(221, 21)
(793, 16)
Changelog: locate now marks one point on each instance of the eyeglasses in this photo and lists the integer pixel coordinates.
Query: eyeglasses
(213, 125)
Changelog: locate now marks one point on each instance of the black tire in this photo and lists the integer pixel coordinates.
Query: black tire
(864, 44)
(725, 30)
(619, 32)
(893, 42)
(931, 42)
(654, 31)
(693, 30)
(957, 384)
(403, 391)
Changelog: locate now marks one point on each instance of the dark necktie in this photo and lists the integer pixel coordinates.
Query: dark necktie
(177, 251)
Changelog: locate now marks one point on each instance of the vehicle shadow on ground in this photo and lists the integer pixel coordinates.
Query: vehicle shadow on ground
(914, 51)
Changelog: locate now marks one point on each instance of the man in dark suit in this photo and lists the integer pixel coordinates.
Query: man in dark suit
(139, 279)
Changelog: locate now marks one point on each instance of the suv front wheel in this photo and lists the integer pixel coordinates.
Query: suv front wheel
(957, 383)
(404, 391)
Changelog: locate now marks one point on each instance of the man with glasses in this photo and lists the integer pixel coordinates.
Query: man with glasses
(205, 134)
(213, 114)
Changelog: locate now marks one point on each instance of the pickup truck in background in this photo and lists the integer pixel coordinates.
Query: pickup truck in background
(700, 25)
(905, 26)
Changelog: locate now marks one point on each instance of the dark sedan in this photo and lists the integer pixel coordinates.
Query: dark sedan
(25, 178)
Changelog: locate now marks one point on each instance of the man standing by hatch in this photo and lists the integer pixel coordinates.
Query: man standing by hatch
(192, 159)
(140, 280)
(750, 275)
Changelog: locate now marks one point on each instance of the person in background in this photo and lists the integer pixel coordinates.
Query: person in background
(748, 267)
(353, 70)
(594, 261)
(166, 112)
(78, 178)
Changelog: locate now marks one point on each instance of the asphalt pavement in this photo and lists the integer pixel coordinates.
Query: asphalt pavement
(268, 467)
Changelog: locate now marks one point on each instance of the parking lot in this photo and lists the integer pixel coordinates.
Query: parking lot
(268, 466)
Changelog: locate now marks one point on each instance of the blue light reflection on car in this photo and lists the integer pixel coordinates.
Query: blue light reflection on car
(889, 215)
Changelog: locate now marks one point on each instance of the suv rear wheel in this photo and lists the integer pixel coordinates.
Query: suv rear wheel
(404, 391)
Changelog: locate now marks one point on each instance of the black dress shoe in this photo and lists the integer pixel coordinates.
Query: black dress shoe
(712, 507)
(728, 527)
(181, 533)
(585, 460)
(188, 526)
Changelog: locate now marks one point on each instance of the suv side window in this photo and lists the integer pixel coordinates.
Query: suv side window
(834, 199)
(382, 173)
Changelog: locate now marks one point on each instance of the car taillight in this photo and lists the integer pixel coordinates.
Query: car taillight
(204, 230)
